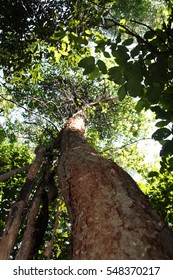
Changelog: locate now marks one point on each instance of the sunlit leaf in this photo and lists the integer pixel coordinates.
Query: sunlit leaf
(57, 56)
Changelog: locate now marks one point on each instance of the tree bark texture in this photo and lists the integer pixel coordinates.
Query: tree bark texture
(111, 217)
(34, 232)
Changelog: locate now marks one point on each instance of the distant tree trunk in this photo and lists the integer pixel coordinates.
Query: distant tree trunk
(111, 217)
(14, 219)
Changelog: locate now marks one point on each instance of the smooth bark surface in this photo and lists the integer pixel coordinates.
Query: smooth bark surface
(111, 217)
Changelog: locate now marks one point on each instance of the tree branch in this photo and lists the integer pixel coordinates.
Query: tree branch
(151, 29)
(100, 99)
(133, 34)
(4, 177)
(150, 47)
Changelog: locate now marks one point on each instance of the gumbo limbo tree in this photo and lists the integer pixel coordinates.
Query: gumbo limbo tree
(110, 216)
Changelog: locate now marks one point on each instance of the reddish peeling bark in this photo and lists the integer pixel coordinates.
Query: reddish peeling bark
(111, 217)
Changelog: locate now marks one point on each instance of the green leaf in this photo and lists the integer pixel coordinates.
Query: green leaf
(141, 104)
(86, 62)
(122, 92)
(58, 35)
(121, 55)
(170, 61)
(160, 113)
(102, 66)
(2, 134)
(157, 73)
(134, 71)
(118, 39)
(162, 34)
(149, 34)
(89, 69)
(77, 39)
(94, 74)
(57, 55)
(153, 174)
(135, 51)
(128, 42)
(167, 149)
(153, 93)
(166, 99)
(171, 162)
(113, 49)
(162, 123)
(107, 54)
(161, 134)
(134, 88)
(88, 32)
(115, 74)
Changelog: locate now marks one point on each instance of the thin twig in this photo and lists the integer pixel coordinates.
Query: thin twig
(101, 99)
(125, 145)
(151, 29)
(29, 111)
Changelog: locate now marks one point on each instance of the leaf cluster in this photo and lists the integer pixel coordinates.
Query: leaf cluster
(159, 190)
(142, 69)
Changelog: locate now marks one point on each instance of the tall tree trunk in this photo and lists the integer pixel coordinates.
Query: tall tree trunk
(111, 217)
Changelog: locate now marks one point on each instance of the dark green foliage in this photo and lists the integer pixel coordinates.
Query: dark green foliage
(25, 24)
(145, 71)
(160, 191)
(161, 134)
(88, 63)
(44, 45)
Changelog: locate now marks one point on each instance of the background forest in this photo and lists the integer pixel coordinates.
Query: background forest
(114, 60)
